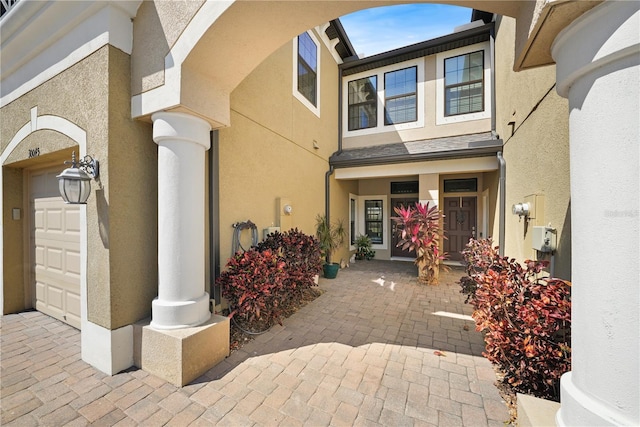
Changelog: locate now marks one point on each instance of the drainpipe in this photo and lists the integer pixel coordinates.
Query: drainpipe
(503, 201)
(492, 51)
(214, 219)
(501, 161)
(327, 188)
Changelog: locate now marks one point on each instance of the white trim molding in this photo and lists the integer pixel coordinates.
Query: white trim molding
(42, 39)
(315, 109)
(441, 119)
(380, 102)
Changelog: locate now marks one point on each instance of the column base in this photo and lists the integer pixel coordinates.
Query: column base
(179, 356)
(581, 409)
(179, 314)
(536, 412)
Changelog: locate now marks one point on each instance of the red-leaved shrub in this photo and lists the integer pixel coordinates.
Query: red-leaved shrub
(302, 257)
(253, 284)
(526, 319)
(261, 283)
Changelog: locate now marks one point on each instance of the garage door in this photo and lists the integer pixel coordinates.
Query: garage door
(55, 249)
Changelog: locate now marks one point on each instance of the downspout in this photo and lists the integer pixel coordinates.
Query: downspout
(501, 161)
(503, 201)
(214, 218)
(327, 182)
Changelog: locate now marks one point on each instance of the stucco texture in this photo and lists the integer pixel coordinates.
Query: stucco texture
(536, 151)
(268, 152)
(94, 94)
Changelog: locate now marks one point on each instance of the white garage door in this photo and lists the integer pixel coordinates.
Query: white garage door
(55, 249)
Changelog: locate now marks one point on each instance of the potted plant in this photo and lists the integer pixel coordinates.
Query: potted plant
(420, 231)
(363, 248)
(331, 236)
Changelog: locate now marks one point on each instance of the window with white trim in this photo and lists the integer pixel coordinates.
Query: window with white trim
(385, 99)
(400, 96)
(374, 221)
(463, 84)
(306, 71)
(363, 103)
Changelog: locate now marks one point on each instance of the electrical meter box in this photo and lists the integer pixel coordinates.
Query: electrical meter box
(543, 239)
(269, 230)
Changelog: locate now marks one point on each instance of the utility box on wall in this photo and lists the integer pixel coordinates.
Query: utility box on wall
(543, 239)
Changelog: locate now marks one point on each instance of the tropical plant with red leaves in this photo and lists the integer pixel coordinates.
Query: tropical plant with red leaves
(253, 284)
(526, 319)
(477, 255)
(419, 230)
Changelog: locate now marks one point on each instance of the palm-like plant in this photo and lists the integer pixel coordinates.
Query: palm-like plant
(420, 231)
(330, 235)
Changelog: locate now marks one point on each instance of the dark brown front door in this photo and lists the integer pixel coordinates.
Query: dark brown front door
(459, 224)
(395, 251)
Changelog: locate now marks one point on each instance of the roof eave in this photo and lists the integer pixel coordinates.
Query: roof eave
(411, 158)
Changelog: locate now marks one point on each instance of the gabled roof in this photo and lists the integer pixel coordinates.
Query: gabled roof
(471, 145)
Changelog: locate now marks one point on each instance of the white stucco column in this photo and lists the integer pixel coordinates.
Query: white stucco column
(182, 141)
(598, 70)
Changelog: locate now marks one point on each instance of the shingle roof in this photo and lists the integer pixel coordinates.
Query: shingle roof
(471, 145)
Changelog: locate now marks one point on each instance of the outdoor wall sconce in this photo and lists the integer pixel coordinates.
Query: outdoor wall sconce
(288, 209)
(521, 209)
(75, 182)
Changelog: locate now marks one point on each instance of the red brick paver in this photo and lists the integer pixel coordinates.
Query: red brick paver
(363, 353)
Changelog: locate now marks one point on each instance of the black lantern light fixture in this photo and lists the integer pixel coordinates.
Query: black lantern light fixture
(75, 182)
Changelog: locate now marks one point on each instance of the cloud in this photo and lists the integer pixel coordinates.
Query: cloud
(380, 29)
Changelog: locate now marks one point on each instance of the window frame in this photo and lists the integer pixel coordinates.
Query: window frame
(441, 118)
(295, 62)
(463, 83)
(419, 63)
(358, 104)
(360, 221)
(353, 221)
(403, 95)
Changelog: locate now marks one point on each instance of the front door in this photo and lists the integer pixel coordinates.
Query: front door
(396, 251)
(459, 224)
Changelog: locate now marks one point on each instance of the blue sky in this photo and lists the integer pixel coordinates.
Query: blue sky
(380, 29)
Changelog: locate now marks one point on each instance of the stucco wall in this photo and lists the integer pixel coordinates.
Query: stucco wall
(13, 270)
(133, 202)
(536, 150)
(157, 26)
(429, 98)
(268, 151)
(94, 94)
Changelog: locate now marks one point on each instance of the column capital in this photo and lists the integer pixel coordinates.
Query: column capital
(605, 34)
(173, 126)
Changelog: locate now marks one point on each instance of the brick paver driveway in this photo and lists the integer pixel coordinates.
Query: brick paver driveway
(374, 349)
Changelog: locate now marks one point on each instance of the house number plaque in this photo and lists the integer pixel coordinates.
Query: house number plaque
(35, 152)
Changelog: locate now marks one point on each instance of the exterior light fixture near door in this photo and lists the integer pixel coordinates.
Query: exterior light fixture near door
(75, 182)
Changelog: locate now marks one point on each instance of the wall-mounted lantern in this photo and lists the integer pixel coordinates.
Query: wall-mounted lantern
(75, 182)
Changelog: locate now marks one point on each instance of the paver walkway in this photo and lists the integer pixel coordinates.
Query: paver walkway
(363, 353)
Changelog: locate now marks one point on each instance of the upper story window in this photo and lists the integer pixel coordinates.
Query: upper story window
(385, 99)
(307, 67)
(463, 84)
(306, 71)
(363, 98)
(401, 102)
